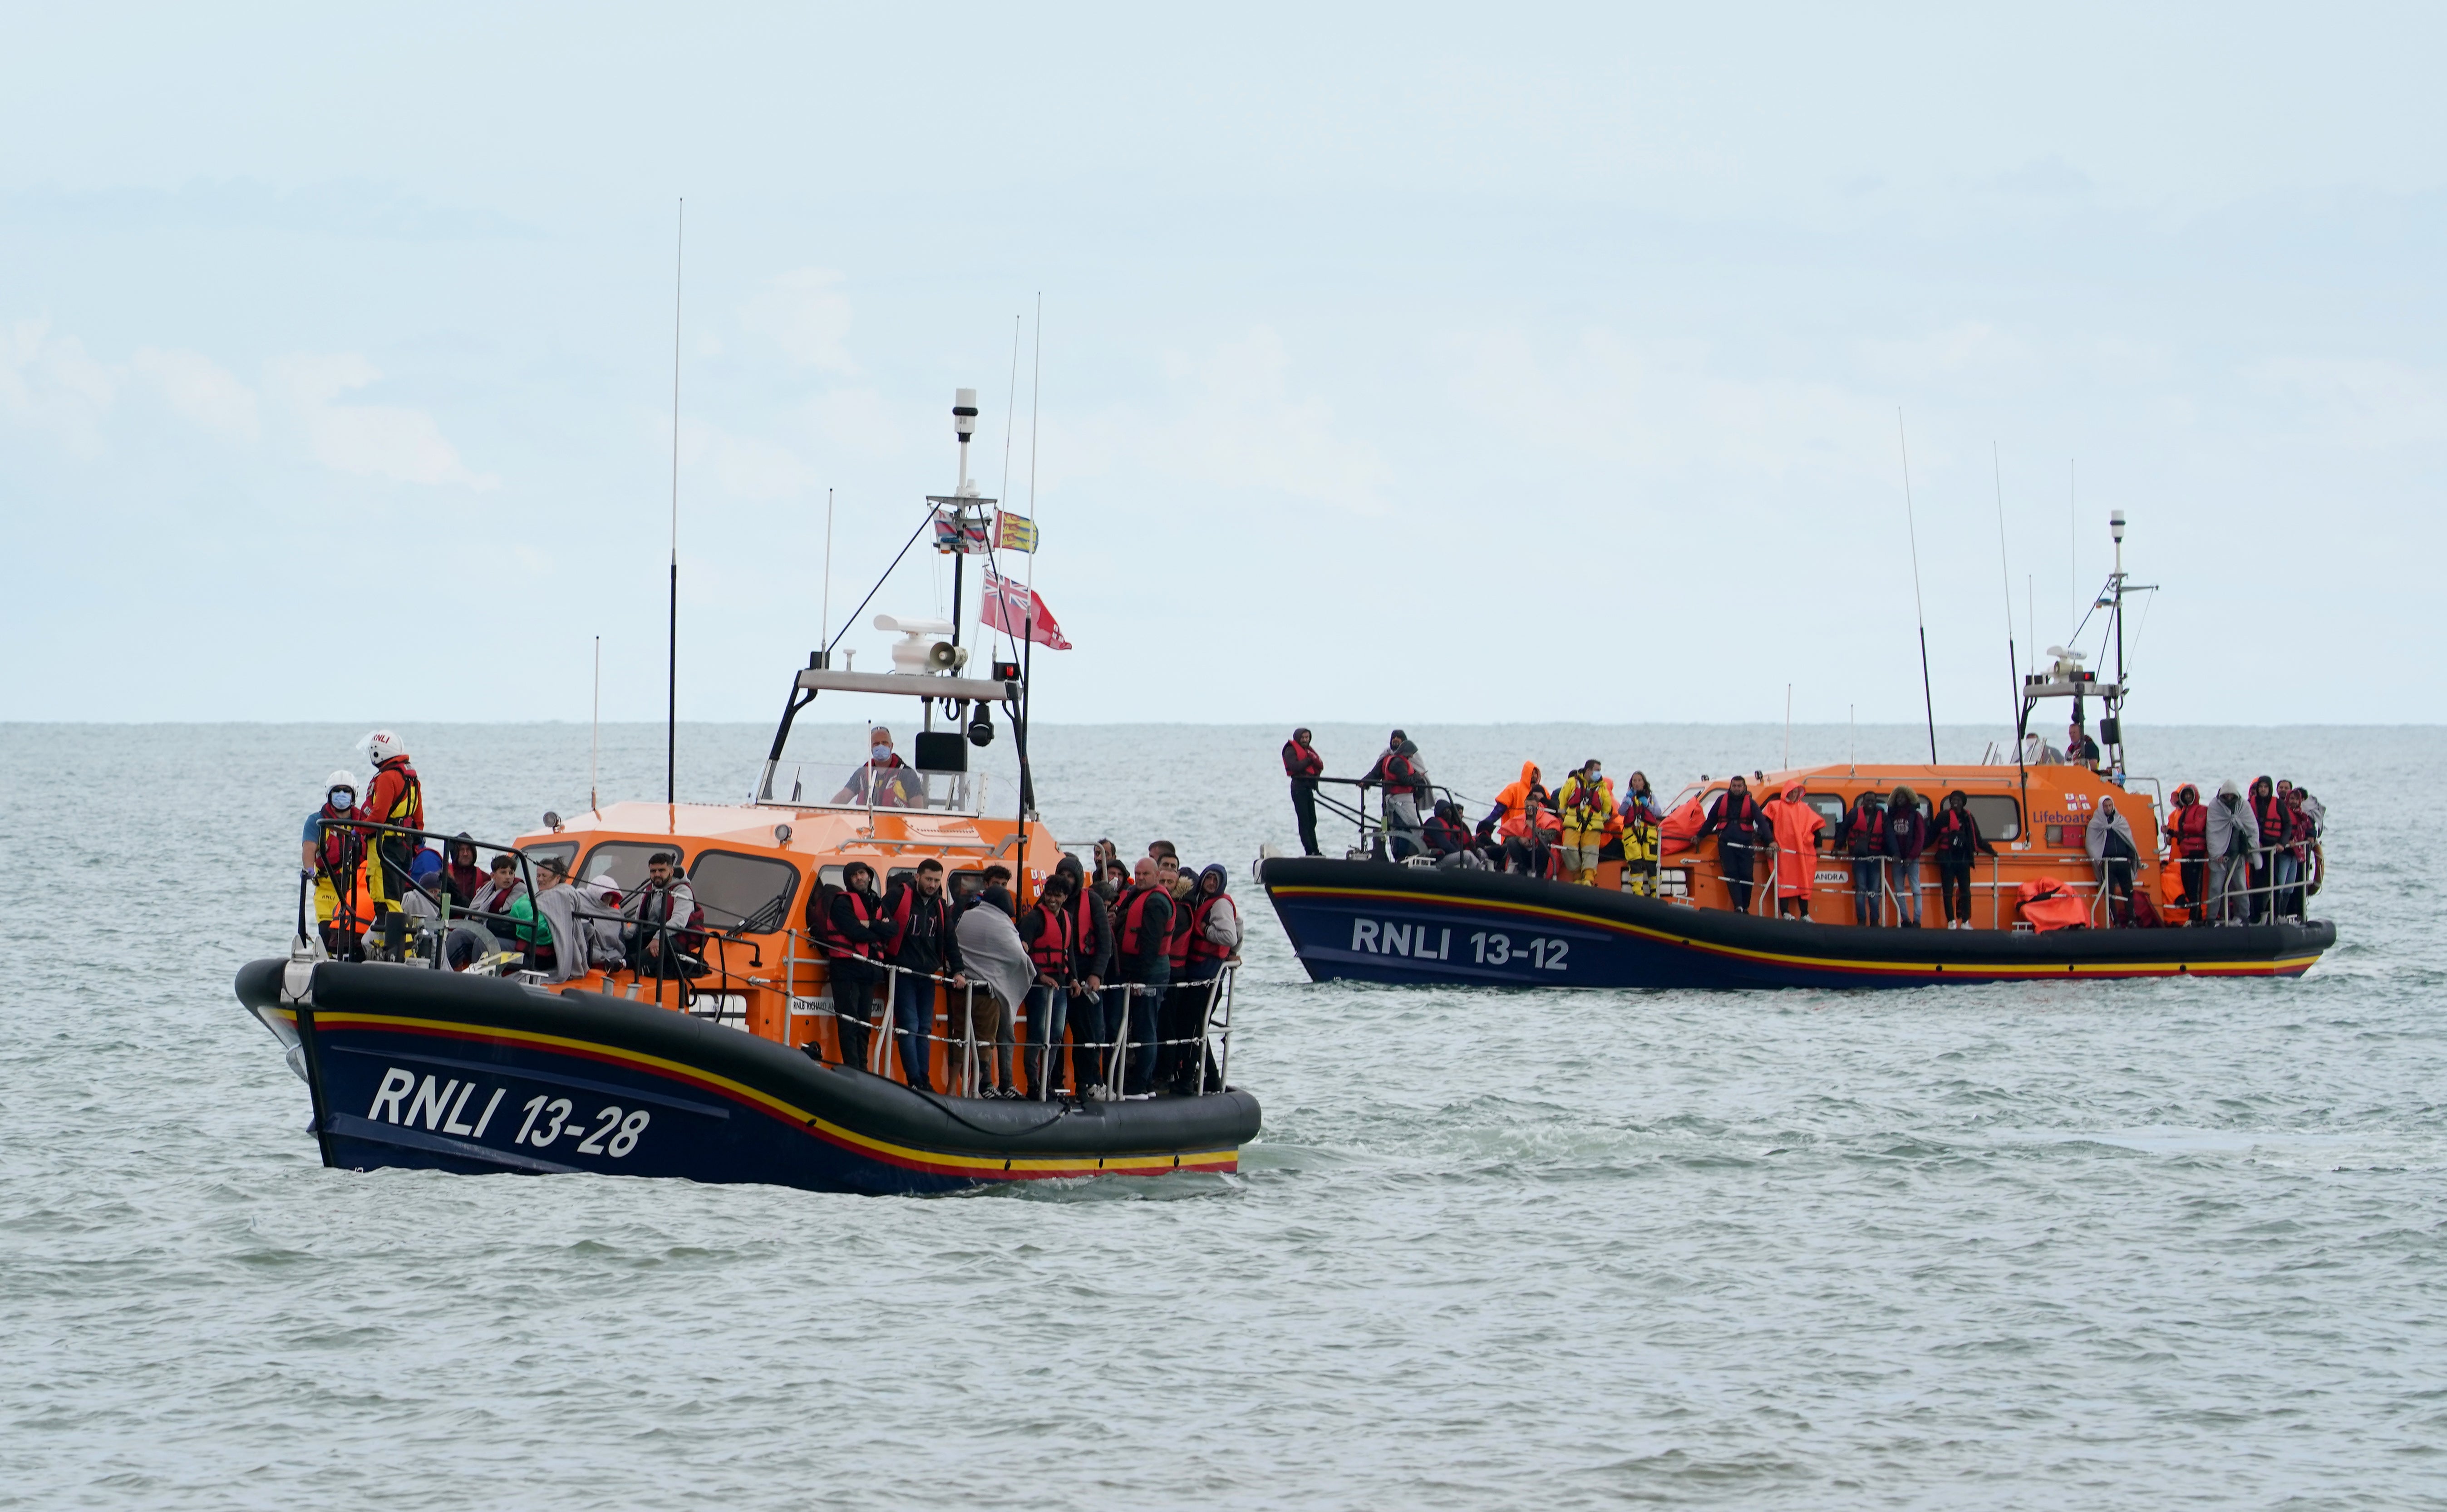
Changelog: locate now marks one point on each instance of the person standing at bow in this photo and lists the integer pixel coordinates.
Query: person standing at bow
(333, 853)
(1405, 782)
(1585, 803)
(394, 798)
(1303, 765)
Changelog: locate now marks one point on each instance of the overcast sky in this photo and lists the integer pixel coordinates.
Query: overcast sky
(1464, 363)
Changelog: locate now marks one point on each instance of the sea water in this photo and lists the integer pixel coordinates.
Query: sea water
(2046, 1245)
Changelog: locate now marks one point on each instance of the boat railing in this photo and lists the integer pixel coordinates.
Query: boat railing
(1213, 1038)
(1372, 835)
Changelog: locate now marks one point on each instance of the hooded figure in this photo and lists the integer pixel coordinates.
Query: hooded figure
(1797, 826)
(2232, 836)
(2109, 839)
(562, 909)
(991, 953)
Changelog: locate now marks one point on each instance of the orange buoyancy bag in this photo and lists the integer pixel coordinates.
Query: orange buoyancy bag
(1680, 828)
(2049, 904)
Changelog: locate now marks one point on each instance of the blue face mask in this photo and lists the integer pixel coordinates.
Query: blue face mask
(880, 753)
(340, 798)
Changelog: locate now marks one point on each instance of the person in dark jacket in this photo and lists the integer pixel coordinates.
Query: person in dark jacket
(852, 936)
(1405, 782)
(1956, 840)
(463, 875)
(2269, 816)
(1734, 818)
(1094, 1009)
(1050, 938)
(1906, 837)
(918, 938)
(1143, 940)
(1303, 765)
(1863, 837)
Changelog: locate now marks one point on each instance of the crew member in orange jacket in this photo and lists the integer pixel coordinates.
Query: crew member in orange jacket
(1797, 826)
(394, 796)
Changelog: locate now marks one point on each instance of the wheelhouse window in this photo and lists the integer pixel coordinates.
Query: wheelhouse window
(744, 892)
(1999, 816)
(626, 862)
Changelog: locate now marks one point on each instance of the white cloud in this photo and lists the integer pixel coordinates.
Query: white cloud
(200, 389)
(49, 383)
(806, 315)
(369, 441)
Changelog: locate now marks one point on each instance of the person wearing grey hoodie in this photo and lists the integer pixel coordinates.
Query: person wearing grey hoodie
(991, 949)
(2234, 835)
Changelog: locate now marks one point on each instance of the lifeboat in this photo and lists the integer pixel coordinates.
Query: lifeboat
(464, 1044)
(2043, 903)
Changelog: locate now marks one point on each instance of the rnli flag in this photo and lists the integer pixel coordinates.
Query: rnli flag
(1014, 532)
(1015, 609)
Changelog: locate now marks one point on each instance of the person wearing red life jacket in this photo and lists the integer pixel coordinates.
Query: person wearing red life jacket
(394, 796)
(1142, 940)
(1956, 840)
(2276, 841)
(1094, 1010)
(1048, 935)
(331, 853)
(2187, 839)
(848, 927)
(1734, 818)
(1906, 837)
(1303, 765)
(1214, 936)
(916, 926)
(1862, 836)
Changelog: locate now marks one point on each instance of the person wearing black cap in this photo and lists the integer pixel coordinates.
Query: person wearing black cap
(1303, 765)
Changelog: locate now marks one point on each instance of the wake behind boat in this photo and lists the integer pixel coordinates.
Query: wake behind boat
(2052, 864)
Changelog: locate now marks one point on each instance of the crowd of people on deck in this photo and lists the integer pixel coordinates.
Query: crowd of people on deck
(1125, 962)
(363, 868)
(2249, 857)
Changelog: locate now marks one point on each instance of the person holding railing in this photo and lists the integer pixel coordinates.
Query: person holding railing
(1639, 816)
(1906, 837)
(1862, 836)
(1046, 933)
(2276, 847)
(396, 798)
(2187, 841)
(1734, 818)
(1405, 782)
(1214, 943)
(332, 854)
(1956, 840)
(845, 921)
(2232, 836)
(981, 1023)
(916, 937)
(2107, 838)
(1094, 1010)
(1142, 938)
(1797, 826)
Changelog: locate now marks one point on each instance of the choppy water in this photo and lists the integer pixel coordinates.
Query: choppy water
(2094, 1244)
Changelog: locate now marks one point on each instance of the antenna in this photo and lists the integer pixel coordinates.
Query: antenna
(1028, 641)
(1011, 412)
(1928, 700)
(672, 689)
(2013, 656)
(595, 745)
(964, 425)
(828, 636)
(2072, 551)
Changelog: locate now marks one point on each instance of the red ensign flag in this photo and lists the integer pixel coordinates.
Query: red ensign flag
(1015, 610)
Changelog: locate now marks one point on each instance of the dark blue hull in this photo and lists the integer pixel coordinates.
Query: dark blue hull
(431, 1070)
(1374, 922)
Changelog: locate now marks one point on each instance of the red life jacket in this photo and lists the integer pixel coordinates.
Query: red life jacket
(1302, 761)
(1176, 946)
(2191, 827)
(342, 848)
(1203, 952)
(687, 934)
(1734, 813)
(1131, 920)
(1050, 950)
(1083, 929)
(2275, 828)
(1868, 834)
(896, 917)
(838, 946)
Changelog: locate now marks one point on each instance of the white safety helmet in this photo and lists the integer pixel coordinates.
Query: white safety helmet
(340, 779)
(383, 745)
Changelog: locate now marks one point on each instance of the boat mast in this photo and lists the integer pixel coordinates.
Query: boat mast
(964, 425)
